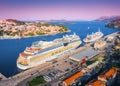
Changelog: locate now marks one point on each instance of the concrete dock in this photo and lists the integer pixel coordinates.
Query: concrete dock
(14, 80)
(2, 77)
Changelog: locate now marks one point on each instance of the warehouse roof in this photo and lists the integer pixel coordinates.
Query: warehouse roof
(86, 54)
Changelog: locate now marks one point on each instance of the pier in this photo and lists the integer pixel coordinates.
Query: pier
(18, 78)
(2, 77)
(113, 34)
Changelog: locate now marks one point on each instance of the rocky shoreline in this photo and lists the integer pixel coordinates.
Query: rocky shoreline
(13, 37)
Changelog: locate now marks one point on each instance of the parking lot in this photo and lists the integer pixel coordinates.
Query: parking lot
(58, 69)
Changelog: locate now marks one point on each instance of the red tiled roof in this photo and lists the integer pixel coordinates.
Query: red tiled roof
(110, 73)
(97, 83)
(73, 78)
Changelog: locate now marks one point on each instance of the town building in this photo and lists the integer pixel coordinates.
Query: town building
(105, 79)
(96, 83)
(100, 45)
(72, 78)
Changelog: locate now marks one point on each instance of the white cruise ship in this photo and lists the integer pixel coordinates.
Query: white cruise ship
(93, 37)
(43, 51)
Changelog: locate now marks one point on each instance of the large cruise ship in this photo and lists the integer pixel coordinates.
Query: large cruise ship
(93, 37)
(43, 51)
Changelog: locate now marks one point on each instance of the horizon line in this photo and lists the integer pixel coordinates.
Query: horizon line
(59, 19)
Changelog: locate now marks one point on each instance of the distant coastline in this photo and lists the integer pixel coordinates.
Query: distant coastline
(111, 22)
(13, 37)
(15, 29)
(114, 24)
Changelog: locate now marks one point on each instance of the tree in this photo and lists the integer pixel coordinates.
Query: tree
(31, 34)
(1, 32)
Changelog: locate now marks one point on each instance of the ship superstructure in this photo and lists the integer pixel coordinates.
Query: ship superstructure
(42, 51)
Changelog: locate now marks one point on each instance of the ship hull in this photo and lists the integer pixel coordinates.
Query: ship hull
(47, 56)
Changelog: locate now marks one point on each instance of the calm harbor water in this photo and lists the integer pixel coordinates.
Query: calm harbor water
(10, 49)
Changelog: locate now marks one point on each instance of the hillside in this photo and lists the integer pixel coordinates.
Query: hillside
(114, 23)
(107, 18)
(12, 27)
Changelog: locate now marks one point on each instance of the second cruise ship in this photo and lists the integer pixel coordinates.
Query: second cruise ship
(93, 37)
(43, 51)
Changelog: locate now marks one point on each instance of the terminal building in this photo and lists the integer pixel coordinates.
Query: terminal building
(84, 55)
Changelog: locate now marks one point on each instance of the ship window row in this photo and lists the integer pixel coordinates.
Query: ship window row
(50, 48)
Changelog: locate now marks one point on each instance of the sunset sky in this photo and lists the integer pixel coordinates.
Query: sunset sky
(58, 9)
